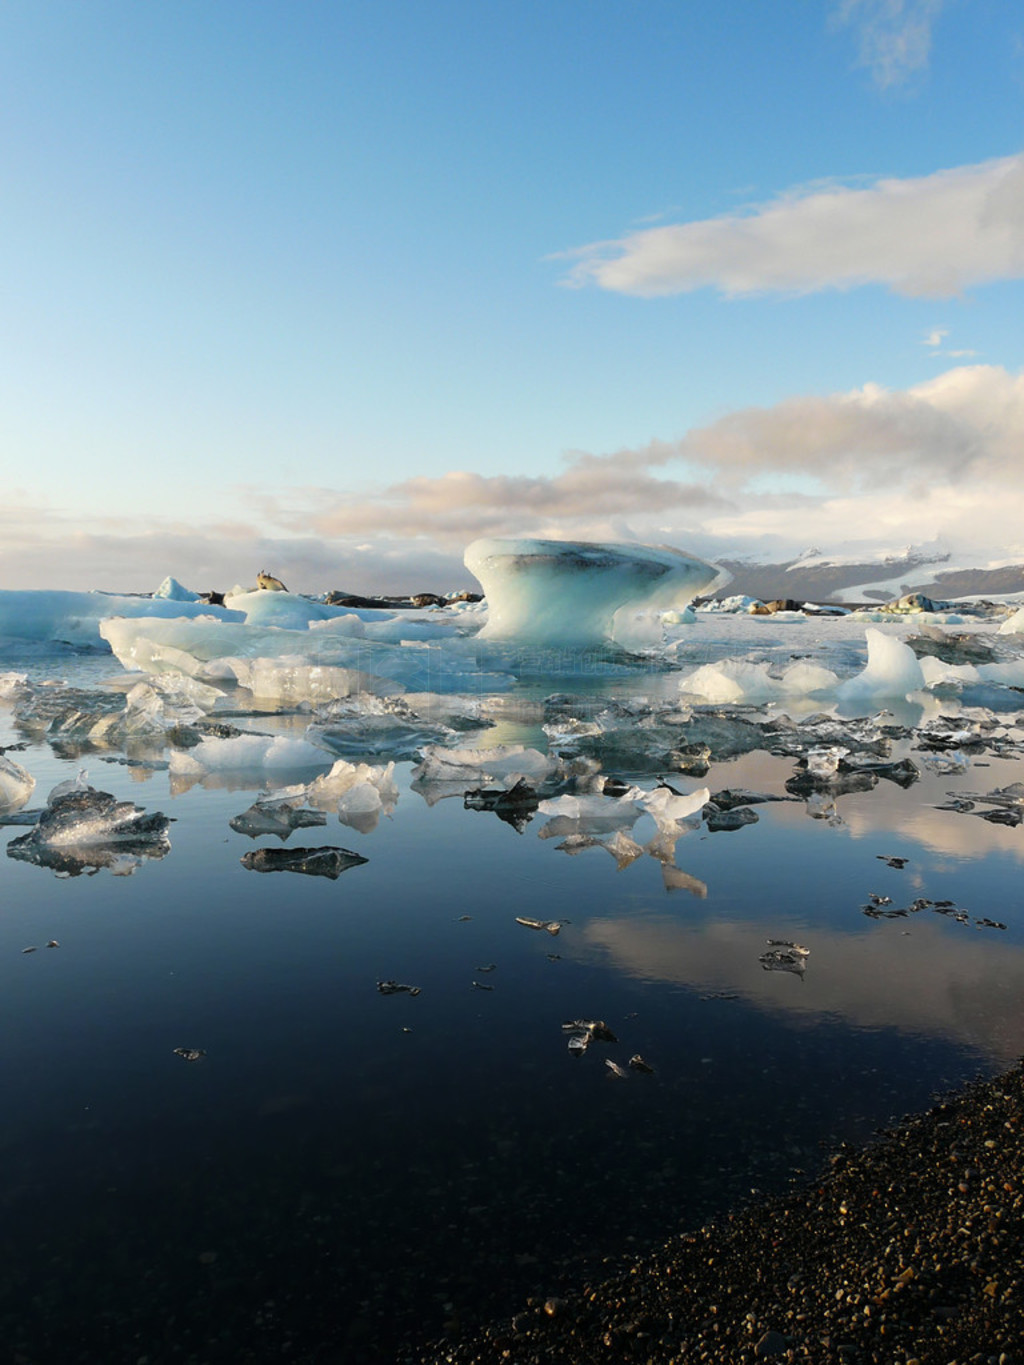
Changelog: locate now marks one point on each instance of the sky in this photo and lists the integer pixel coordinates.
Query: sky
(333, 289)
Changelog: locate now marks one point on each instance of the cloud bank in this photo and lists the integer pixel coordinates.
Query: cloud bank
(871, 468)
(928, 237)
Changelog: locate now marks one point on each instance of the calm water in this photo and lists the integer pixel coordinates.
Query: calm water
(343, 1170)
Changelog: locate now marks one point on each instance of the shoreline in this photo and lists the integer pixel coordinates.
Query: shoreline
(906, 1250)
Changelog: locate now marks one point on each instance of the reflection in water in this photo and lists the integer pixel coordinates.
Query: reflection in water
(357, 1149)
(967, 990)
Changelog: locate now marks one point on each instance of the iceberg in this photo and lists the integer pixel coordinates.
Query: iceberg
(74, 618)
(892, 670)
(566, 594)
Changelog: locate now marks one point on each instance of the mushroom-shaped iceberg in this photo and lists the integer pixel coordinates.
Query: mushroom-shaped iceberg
(565, 593)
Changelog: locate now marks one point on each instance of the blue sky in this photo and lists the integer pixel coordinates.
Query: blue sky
(335, 288)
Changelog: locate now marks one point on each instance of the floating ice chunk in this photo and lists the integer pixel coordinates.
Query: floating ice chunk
(892, 670)
(16, 784)
(669, 807)
(311, 862)
(68, 786)
(276, 816)
(354, 788)
(82, 830)
(11, 685)
(600, 809)
(739, 604)
(824, 762)
(291, 681)
(245, 752)
(368, 726)
(503, 761)
(173, 591)
(566, 593)
(1013, 625)
(743, 680)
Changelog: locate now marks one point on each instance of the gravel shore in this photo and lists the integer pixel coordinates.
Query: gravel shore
(910, 1249)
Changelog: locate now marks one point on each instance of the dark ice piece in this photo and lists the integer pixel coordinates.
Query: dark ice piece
(890, 861)
(1002, 815)
(190, 1054)
(313, 862)
(396, 988)
(275, 817)
(551, 925)
(783, 956)
(515, 805)
(638, 1064)
(596, 1030)
(717, 820)
(731, 797)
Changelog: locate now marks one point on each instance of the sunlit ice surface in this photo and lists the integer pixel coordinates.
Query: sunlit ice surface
(289, 1064)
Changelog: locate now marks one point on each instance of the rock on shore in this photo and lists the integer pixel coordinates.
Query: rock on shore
(907, 1250)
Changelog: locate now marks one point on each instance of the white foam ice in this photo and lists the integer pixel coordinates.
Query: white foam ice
(574, 594)
(245, 753)
(745, 680)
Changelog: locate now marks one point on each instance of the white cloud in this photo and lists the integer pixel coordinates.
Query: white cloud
(935, 337)
(931, 236)
(895, 35)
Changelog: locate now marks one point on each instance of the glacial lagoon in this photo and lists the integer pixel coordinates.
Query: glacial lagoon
(223, 1140)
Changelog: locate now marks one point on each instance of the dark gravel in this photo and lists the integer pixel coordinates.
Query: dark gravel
(907, 1250)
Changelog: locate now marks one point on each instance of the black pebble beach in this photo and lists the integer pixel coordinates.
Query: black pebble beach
(908, 1250)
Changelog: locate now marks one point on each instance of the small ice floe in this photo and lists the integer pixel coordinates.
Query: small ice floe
(482, 986)
(16, 784)
(313, 862)
(514, 805)
(360, 792)
(784, 956)
(275, 816)
(616, 1070)
(190, 1054)
(583, 1032)
(551, 925)
(638, 1064)
(245, 753)
(891, 861)
(716, 820)
(82, 830)
(396, 988)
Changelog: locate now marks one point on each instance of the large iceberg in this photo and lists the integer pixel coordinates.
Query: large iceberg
(567, 593)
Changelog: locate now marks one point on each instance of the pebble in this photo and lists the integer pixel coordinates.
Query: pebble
(873, 1262)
